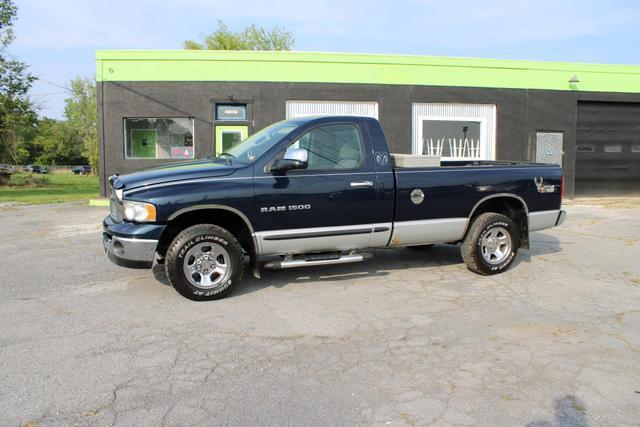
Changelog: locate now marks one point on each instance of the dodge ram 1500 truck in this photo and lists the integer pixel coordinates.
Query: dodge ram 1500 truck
(316, 191)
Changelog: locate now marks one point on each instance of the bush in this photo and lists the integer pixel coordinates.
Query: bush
(28, 180)
(52, 188)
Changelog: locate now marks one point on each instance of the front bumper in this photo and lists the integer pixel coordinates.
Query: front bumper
(130, 245)
(561, 217)
(128, 252)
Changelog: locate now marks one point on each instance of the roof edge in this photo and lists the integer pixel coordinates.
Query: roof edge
(355, 58)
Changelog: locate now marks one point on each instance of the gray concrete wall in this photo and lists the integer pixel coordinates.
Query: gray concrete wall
(520, 113)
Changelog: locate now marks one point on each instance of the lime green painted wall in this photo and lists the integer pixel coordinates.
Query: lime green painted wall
(186, 65)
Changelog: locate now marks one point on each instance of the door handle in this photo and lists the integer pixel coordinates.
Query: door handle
(361, 184)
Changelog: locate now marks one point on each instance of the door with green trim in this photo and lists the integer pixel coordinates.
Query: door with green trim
(228, 136)
(143, 143)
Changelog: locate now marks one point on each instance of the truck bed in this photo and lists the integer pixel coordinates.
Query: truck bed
(453, 190)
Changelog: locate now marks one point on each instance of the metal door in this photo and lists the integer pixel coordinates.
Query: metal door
(328, 206)
(608, 148)
(549, 147)
(143, 143)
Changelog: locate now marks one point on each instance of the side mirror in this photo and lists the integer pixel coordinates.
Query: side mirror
(294, 158)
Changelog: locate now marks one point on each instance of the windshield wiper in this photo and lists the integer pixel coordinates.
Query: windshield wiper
(229, 157)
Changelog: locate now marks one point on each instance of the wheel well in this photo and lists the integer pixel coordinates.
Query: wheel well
(220, 217)
(510, 206)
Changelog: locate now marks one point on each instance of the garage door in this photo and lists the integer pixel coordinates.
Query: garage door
(331, 108)
(608, 148)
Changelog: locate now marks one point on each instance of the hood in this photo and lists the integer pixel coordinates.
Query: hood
(179, 171)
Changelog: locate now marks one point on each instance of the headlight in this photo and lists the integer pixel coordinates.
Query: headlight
(139, 211)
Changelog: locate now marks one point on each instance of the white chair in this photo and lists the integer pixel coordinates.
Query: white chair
(431, 147)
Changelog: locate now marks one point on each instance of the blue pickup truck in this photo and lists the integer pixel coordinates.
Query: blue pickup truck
(318, 191)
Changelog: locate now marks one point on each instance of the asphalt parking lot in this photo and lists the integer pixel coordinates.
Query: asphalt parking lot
(409, 337)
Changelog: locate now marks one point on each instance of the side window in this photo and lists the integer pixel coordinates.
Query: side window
(332, 147)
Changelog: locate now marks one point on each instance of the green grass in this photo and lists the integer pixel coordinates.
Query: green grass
(51, 188)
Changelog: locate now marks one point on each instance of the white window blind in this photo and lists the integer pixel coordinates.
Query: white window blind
(331, 108)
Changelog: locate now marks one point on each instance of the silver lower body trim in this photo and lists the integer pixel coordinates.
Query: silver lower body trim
(561, 217)
(421, 232)
(126, 249)
(317, 239)
(543, 219)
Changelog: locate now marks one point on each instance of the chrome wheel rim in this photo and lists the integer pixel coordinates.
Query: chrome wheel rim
(207, 265)
(496, 245)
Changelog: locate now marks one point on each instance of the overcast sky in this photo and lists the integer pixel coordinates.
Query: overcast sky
(59, 38)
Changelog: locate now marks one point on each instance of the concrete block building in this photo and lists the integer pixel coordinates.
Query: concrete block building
(156, 107)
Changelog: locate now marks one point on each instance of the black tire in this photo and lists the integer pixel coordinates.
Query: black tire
(187, 239)
(472, 245)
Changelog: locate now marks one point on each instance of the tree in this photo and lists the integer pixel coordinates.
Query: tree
(8, 12)
(251, 38)
(17, 114)
(58, 143)
(82, 115)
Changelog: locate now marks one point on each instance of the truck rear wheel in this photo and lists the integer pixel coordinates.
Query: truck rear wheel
(491, 244)
(204, 262)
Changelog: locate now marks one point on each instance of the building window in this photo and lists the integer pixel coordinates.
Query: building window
(615, 148)
(454, 131)
(585, 148)
(303, 108)
(230, 138)
(451, 138)
(158, 138)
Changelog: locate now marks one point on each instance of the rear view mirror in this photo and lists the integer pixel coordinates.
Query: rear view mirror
(294, 158)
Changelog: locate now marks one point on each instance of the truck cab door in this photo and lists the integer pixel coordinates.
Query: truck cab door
(331, 204)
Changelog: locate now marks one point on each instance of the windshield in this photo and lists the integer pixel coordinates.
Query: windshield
(254, 146)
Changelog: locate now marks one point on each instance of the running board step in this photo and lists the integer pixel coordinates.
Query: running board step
(314, 260)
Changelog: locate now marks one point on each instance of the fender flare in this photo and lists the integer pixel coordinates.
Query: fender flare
(212, 206)
(495, 196)
(243, 217)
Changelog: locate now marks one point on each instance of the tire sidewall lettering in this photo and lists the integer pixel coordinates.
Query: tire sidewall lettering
(200, 239)
(504, 263)
(211, 292)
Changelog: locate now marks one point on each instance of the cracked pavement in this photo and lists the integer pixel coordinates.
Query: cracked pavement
(410, 337)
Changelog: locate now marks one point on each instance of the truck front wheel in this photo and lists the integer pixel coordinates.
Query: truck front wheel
(204, 262)
(491, 244)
